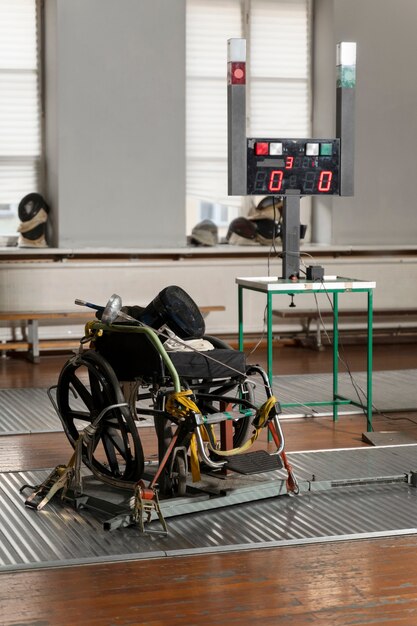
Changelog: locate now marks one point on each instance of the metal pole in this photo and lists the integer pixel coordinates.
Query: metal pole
(291, 236)
(335, 354)
(236, 117)
(345, 114)
(270, 338)
(240, 316)
(369, 365)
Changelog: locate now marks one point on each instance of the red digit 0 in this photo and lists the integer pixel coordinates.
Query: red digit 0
(325, 181)
(275, 180)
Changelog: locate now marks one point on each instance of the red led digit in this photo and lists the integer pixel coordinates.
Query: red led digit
(325, 181)
(289, 162)
(275, 180)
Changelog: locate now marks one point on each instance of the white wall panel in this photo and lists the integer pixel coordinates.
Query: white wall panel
(55, 285)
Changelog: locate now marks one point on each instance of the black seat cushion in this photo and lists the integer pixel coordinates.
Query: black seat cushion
(132, 355)
(217, 363)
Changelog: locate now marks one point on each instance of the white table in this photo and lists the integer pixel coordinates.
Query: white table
(333, 285)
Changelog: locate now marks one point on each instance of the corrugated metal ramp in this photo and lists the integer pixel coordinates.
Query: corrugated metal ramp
(60, 536)
(393, 390)
(25, 411)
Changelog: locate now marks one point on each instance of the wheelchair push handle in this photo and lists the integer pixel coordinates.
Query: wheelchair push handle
(111, 311)
(90, 305)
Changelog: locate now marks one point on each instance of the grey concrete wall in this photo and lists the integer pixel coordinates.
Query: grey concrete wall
(383, 209)
(115, 122)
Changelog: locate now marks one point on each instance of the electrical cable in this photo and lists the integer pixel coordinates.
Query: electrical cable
(262, 335)
(358, 389)
(356, 386)
(360, 393)
(393, 419)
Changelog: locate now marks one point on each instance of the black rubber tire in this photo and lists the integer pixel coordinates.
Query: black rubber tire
(179, 479)
(242, 427)
(96, 387)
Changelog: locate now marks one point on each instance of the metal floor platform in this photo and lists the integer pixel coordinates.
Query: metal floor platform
(25, 411)
(60, 536)
(393, 390)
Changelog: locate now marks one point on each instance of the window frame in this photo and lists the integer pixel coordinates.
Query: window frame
(241, 205)
(33, 163)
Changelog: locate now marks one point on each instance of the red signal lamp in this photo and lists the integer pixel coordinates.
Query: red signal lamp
(237, 73)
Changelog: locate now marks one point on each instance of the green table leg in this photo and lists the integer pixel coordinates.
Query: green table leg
(369, 365)
(269, 339)
(269, 346)
(335, 354)
(240, 316)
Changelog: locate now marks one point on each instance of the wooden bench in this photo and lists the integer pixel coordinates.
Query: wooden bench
(205, 310)
(30, 331)
(306, 318)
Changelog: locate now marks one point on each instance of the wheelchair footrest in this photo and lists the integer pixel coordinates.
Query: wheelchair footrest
(254, 462)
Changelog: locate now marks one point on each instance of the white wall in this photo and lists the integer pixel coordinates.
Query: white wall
(115, 122)
(54, 285)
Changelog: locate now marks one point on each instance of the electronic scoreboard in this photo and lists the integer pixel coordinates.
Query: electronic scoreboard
(290, 167)
(276, 166)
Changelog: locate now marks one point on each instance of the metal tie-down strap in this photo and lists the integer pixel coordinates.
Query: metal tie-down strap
(145, 502)
(66, 476)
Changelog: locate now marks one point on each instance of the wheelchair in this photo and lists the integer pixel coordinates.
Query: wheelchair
(138, 364)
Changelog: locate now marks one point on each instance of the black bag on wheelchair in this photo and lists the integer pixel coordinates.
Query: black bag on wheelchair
(173, 307)
(133, 355)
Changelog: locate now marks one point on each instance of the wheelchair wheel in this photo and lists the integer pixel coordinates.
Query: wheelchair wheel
(87, 385)
(179, 476)
(175, 485)
(242, 427)
(210, 400)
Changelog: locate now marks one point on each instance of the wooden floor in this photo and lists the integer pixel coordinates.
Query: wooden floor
(340, 583)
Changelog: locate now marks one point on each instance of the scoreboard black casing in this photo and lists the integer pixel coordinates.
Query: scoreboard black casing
(305, 166)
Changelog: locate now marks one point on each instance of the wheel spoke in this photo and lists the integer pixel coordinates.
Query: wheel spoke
(97, 392)
(117, 439)
(110, 454)
(82, 391)
(79, 415)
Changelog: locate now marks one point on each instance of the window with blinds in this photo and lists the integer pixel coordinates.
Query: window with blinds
(20, 136)
(278, 86)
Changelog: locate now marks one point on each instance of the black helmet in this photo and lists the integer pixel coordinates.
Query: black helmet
(30, 206)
